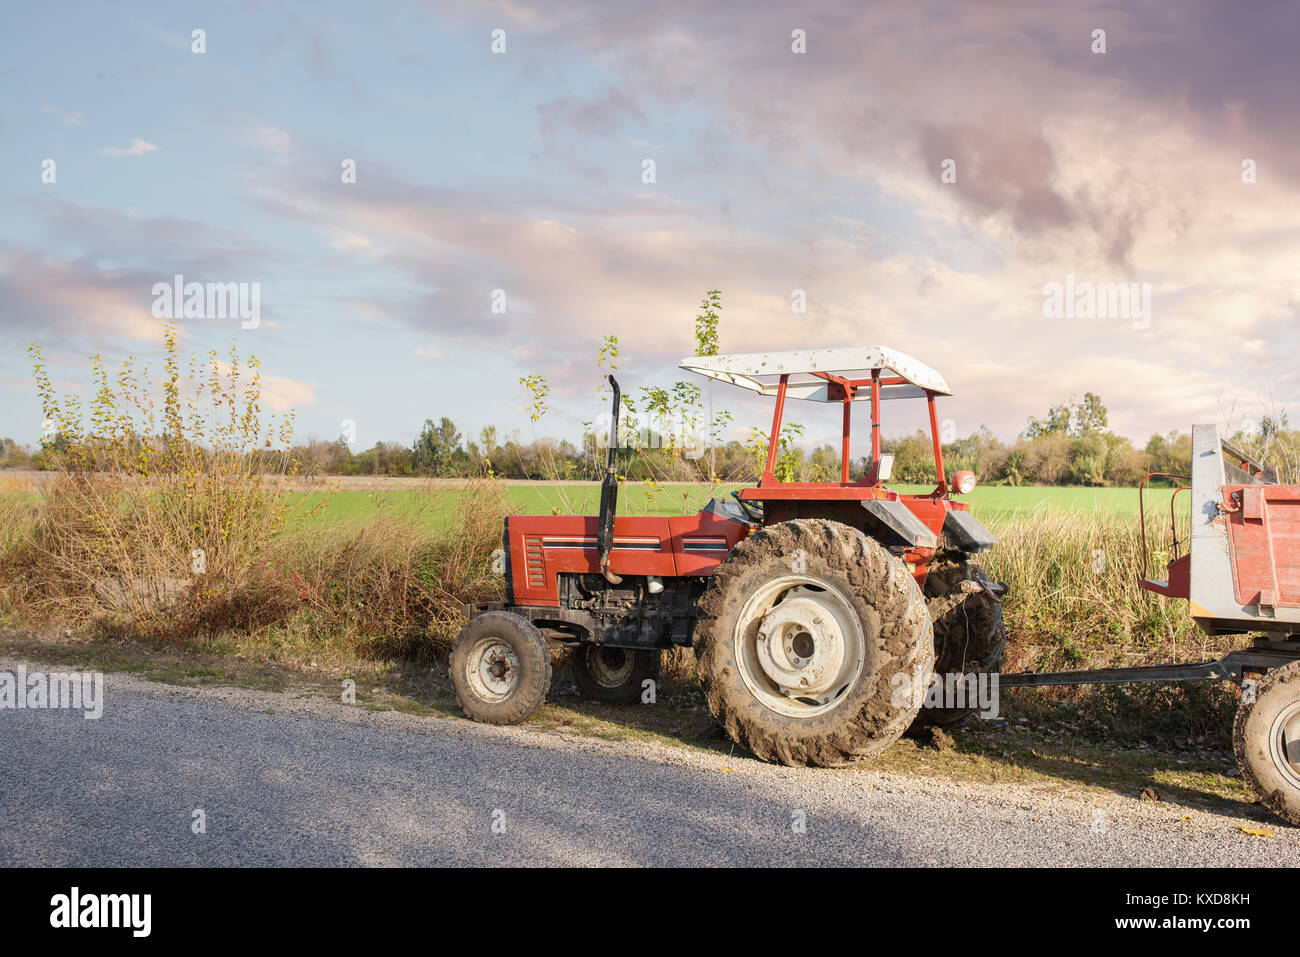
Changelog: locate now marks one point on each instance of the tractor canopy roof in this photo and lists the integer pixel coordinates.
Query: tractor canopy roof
(812, 372)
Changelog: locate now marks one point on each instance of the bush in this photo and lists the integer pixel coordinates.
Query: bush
(183, 528)
(392, 586)
(161, 487)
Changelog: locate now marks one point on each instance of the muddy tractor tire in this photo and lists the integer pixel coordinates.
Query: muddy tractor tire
(500, 668)
(801, 636)
(1266, 739)
(613, 675)
(969, 635)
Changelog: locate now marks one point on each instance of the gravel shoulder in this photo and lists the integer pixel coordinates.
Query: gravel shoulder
(294, 778)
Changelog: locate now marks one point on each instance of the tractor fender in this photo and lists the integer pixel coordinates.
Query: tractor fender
(965, 532)
(898, 519)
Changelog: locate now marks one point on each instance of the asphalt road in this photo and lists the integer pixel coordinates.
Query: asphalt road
(297, 781)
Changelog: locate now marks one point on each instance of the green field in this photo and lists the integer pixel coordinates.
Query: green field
(437, 505)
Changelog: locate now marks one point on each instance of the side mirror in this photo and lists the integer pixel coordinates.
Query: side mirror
(886, 467)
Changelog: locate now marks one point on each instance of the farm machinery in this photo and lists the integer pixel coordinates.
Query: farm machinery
(1238, 568)
(802, 600)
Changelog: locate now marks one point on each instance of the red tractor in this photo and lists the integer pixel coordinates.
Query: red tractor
(803, 600)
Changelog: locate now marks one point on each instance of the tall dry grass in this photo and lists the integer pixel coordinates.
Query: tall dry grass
(1074, 603)
(160, 488)
(1074, 599)
(391, 586)
(169, 516)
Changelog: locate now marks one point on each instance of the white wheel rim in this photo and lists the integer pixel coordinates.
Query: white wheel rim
(492, 669)
(800, 645)
(1284, 743)
(609, 667)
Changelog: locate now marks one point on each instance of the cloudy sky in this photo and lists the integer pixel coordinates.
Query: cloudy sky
(774, 170)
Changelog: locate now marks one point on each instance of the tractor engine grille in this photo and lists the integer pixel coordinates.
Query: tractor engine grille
(536, 561)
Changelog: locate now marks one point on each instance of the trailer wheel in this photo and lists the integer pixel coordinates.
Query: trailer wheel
(500, 668)
(613, 675)
(969, 635)
(1266, 739)
(801, 636)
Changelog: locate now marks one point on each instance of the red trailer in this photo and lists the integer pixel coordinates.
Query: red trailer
(1239, 571)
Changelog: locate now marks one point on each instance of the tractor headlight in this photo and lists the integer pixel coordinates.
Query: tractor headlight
(963, 482)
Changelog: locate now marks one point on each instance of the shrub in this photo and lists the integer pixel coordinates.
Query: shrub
(162, 488)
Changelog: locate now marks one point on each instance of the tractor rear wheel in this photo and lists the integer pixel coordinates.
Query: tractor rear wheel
(500, 668)
(969, 636)
(1266, 739)
(613, 675)
(801, 635)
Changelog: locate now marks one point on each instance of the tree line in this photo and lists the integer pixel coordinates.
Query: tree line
(1071, 445)
(672, 433)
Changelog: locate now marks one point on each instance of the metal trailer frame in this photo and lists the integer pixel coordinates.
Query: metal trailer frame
(1233, 666)
(1233, 579)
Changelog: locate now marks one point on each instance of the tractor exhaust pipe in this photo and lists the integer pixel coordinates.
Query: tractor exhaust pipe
(609, 496)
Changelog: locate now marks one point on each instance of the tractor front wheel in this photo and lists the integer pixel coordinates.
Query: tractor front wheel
(809, 638)
(1266, 739)
(613, 675)
(500, 668)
